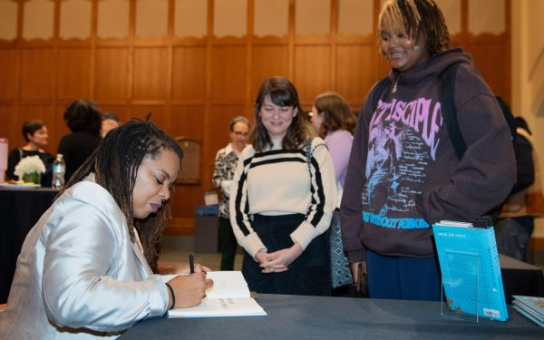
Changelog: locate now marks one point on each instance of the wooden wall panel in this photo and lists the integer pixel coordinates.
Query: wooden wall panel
(8, 74)
(189, 74)
(37, 74)
(495, 73)
(312, 72)
(74, 76)
(188, 121)
(355, 81)
(159, 115)
(150, 73)
(59, 128)
(186, 198)
(229, 74)
(268, 61)
(8, 127)
(111, 75)
(194, 83)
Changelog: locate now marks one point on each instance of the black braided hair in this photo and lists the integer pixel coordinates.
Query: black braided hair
(416, 17)
(115, 164)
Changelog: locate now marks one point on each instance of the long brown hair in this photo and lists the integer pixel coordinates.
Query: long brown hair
(115, 164)
(336, 113)
(282, 93)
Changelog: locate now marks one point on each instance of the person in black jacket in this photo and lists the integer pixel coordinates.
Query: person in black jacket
(84, 119)
(514, 228)
(36, 135)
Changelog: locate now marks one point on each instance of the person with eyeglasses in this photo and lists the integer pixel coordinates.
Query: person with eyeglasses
(282, 199)
(225, 164)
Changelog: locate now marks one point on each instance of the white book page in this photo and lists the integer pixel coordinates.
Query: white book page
(219, 307)
(448, 223)
(229, 284)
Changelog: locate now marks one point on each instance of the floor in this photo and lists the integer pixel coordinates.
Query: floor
(178, 248)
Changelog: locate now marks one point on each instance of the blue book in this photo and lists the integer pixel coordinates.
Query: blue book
(471, 272)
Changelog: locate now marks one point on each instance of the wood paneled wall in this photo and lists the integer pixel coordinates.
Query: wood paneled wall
(195, 85)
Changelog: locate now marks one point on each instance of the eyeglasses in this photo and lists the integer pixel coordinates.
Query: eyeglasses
(240, 133)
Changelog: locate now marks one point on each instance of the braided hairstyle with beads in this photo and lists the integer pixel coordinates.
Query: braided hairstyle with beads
(416, 17)
(115, 165)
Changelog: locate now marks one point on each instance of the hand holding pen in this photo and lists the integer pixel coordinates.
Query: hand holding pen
(192, 287)
(191, 268)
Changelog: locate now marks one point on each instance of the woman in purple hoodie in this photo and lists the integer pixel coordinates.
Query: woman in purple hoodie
(403, 173)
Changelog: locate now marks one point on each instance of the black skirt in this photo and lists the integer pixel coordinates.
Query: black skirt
(307, 275)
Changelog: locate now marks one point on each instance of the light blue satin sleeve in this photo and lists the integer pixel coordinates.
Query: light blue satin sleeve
(92, 276)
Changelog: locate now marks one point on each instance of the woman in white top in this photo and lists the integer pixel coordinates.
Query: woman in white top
(282, 198)
(225, 164)
(85, 268)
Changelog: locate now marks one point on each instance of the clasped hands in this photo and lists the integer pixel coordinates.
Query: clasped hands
(280, 260)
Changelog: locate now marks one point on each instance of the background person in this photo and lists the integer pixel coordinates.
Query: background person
(403, 173)
(225, 164)
(85, 267)
(282, 201)
(36, 135)
(84, 119)
(517, 222)
(333, 121)
(109, 122)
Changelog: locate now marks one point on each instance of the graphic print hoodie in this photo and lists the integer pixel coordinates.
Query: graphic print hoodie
(404, 174)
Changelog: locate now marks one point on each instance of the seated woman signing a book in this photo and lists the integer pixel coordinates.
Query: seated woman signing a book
(85, 267)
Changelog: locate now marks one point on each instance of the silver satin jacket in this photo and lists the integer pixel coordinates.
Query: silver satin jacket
(79, 276)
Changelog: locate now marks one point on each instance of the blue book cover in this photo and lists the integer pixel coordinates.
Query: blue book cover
(471, 272)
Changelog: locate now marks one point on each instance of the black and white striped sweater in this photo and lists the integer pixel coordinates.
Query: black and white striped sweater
(277, 182)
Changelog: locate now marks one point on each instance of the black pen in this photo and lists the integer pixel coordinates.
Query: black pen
(192, 263)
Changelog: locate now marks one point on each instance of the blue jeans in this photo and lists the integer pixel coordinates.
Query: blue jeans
(513, 235)
(403, 278)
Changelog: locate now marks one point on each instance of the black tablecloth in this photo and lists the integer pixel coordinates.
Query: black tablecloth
(305, 317)
(19, 211)
(520, 278)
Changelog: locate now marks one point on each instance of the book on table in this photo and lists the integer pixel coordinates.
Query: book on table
(470, 268)
(229, 296)
(531, 307)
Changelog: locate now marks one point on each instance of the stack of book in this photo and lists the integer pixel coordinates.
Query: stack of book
(530, 306)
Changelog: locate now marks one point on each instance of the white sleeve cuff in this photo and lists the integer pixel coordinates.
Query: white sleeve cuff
(304, 234)
(252, 244)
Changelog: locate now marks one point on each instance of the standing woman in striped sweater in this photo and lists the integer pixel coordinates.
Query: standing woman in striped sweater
(282, 200)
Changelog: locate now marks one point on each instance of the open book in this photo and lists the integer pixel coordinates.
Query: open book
(229, 296)
(471, 273)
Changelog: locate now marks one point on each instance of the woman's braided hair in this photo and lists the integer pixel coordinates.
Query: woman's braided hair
(115, 164)
(416, 17)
